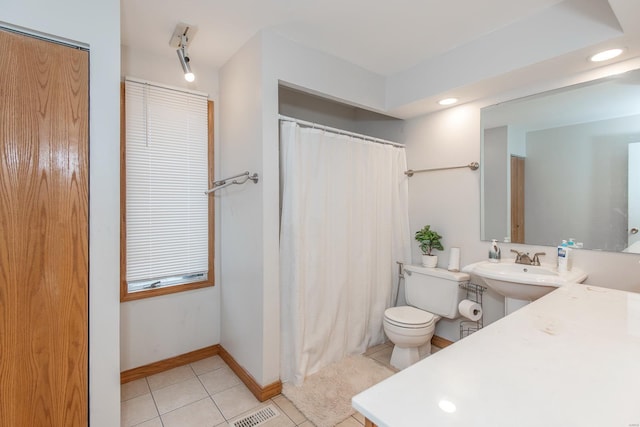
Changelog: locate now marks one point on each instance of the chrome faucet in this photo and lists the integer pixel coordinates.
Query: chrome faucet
(524, 258)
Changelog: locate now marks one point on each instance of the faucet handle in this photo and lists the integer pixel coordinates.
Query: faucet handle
(518, 255)
(536, 259)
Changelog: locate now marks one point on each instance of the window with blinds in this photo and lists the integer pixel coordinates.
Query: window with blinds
(166, 171)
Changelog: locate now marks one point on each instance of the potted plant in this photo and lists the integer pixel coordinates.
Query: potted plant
(429, 240)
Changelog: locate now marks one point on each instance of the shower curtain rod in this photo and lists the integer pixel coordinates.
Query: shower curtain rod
(339, 131)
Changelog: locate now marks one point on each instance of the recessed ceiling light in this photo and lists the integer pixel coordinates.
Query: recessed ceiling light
(447, 406)
(605, 55)
(448, 101)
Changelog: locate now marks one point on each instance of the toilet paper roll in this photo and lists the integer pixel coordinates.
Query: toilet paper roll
(454, 259)
(470, 309)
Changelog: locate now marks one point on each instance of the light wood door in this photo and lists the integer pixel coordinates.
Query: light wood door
(517, 199)
(44, 123)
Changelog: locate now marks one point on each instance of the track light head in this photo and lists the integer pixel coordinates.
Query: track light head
(183, 56)
(180, 40)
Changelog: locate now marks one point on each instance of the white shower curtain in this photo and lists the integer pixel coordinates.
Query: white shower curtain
(344, 225)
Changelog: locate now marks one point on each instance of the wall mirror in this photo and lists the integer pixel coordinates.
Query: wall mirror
(565, 164)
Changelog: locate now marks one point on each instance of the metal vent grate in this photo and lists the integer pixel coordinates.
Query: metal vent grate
(257, 418)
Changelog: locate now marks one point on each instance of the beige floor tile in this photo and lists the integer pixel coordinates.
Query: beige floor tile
(182, 398)
(202, 413)
(289, 409)
(349, 422)
(377, 348)
(280, 421)
(134, 389)
(137, 410)
(359, 417)
(178, 395)
(235, 401)
(383, 356)
(151, 423)
(219, 380)
(172, 376)
(207, 365)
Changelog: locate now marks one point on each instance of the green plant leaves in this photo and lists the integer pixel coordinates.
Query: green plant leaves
(429, 240)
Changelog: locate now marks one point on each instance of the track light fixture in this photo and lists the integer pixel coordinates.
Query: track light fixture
(183, 56)
(180, 39)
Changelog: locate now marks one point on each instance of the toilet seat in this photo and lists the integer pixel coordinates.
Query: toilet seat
(409, 317)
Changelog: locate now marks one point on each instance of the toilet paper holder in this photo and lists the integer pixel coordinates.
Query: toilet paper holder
(474, 293)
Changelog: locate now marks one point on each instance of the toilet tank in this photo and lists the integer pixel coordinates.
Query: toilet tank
(434, 290)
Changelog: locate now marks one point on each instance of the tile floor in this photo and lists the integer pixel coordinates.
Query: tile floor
(208, 394)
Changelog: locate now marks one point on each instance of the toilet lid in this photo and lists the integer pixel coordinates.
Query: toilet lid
(409, 316)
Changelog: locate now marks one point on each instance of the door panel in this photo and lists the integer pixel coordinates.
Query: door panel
(517, 199)
(43, 233)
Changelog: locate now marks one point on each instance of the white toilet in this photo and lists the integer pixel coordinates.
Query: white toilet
(431, 293)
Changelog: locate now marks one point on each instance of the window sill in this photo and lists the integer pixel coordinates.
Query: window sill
(150, 293)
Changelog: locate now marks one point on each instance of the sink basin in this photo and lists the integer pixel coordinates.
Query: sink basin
(523, 282)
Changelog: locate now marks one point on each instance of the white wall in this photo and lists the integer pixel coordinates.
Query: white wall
(154, 329)
(158, 328)
(242, 229)
(495, 159)
(96, 23)
(584, 182)
(449, 201)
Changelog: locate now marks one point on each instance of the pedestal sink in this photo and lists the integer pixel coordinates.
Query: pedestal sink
(522, 283)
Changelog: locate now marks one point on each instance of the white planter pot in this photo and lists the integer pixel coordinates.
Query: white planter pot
(430, 261)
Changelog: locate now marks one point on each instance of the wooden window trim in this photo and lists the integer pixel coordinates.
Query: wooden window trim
(125, 295)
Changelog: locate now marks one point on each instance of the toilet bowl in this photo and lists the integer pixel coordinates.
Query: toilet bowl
(431, 294)
(411, 330)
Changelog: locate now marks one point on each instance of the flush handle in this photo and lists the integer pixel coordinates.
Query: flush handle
(634, 230)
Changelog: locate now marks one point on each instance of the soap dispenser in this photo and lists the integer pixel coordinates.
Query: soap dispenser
(494, 251)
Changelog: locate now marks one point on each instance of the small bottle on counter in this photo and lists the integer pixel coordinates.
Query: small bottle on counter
(564, 254)
(494, 251)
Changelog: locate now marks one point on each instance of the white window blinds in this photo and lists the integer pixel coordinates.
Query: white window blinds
(166, 176)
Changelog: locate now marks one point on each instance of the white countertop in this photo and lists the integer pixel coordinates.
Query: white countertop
(571, 358)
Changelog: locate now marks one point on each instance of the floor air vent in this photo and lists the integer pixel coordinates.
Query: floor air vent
(257, 418)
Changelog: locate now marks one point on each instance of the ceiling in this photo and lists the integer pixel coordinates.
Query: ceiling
(424, 48)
